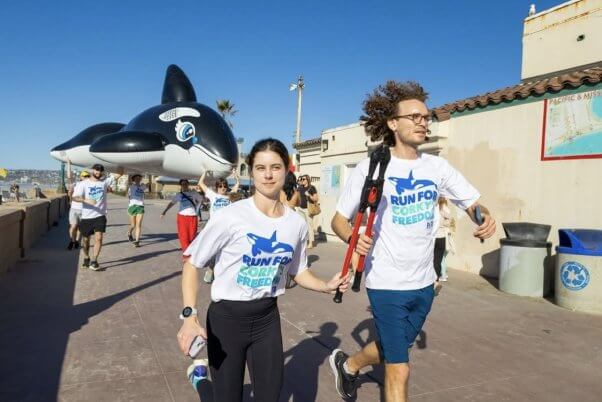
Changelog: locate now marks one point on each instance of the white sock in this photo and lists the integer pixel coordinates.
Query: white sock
(346, 368)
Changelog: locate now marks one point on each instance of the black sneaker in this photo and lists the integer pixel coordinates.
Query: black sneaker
(346, 383)
(94, 266)
(130, 237)
(86, 263)
(70, 246)
(136, 244)
(76, 245)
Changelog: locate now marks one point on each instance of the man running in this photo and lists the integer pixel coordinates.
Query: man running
(399, 264)
(92, 193)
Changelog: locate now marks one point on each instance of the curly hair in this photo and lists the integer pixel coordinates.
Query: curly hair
(381, 106)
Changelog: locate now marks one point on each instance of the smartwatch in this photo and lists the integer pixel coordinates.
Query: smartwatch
(187, 312)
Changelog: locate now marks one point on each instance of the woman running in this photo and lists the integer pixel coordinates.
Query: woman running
(135, 208)
(217, 200)
(188, 220)
(257, 241)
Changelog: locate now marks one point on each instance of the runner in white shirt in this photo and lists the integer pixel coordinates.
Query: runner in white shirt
(399, 262)
(92, 193)
(135, 208)
(217, 200)
(75, 211)
(256, 242)
(187, 221)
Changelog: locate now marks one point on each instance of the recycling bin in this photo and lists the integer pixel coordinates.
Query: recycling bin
(579, 270)
(524, 257)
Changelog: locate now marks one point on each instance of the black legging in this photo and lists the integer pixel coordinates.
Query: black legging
(238, 330)
(439, 252)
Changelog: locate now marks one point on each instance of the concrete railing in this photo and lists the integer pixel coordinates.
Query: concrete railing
(22, 224)
(10, 232)
(54, 212)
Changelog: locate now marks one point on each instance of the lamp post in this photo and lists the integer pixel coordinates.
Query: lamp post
(299, 86)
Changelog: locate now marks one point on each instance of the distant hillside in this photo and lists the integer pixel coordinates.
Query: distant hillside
(32, 175)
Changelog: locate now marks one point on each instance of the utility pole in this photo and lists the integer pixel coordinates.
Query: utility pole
(299, 86)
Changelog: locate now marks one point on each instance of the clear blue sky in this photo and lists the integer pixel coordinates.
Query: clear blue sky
(69, 64)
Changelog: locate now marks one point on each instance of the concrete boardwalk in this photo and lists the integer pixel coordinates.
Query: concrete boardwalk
(76, 335)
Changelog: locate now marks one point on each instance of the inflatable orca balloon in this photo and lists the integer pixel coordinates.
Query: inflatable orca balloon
(179, 137)
(77, 149)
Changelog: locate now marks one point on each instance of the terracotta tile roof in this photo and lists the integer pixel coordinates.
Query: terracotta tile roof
(307, 143)
(573, 79)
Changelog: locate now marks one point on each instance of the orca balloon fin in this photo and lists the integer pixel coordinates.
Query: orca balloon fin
(177, 86)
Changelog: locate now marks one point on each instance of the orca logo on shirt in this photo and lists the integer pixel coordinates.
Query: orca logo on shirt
(402, 184)
(96, 193)
(415, 200)
(266, 263)
(268, 245)
(220, 203)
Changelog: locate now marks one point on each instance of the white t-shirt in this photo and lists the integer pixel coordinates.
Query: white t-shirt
(94, 190)
(136, 194)
(74, 204)
(188, 208)
(253, 251)
(407, 218)
(217, 201)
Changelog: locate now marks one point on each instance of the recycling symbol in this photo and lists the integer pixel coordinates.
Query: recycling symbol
(574, 276)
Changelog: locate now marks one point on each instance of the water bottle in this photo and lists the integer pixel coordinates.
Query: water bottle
(197, 372)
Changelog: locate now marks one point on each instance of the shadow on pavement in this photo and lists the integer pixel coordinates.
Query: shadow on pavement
(147, 239)
(37, 316)
(306, 358)
(131, 259)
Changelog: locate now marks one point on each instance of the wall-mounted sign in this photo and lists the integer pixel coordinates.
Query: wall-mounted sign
(330, 181)
(572, 126)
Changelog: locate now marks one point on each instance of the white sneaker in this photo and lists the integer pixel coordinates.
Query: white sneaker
(443, 278)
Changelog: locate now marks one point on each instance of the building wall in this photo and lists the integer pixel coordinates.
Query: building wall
(499, 150)
(550, 38)
(310, 163)
(342, 148)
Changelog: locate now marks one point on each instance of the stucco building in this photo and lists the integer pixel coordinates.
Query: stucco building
(533, 150)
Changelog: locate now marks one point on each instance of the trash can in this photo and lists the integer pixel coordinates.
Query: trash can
(524, 256)
(579, 270)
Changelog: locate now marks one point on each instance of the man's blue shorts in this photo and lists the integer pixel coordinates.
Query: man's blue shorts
(399, 316)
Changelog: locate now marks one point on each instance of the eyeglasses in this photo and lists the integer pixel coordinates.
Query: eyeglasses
(415, 117)
(221, 186)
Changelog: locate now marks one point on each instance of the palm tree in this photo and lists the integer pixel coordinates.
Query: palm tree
(226, 109)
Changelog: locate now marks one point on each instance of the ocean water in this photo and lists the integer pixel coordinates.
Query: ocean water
(590, 144)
